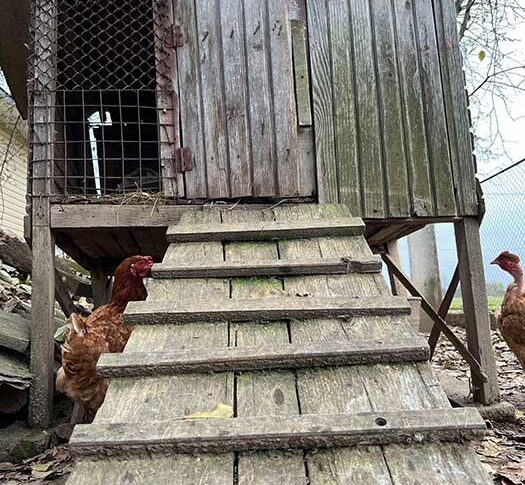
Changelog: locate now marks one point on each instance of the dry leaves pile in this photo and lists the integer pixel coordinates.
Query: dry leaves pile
(51, 467)
(503, 449)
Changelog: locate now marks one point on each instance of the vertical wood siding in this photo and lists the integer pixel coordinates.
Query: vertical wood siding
(390, 119)
(238, 107)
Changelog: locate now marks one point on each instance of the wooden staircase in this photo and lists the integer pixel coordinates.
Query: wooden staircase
(283, 317)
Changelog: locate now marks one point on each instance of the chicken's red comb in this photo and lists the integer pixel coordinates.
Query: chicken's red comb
(507, 255)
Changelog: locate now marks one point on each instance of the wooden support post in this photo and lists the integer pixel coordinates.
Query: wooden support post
(475, 307)
(424, 269)
(101, 286)
(43, 243)
(42, 316)
(393, 251)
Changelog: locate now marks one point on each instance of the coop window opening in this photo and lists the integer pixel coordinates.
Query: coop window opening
(104, 116)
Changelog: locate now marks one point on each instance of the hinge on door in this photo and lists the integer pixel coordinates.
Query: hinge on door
(177, 36)
(183, 160)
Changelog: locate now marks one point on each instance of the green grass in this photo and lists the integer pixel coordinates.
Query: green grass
(493, 301)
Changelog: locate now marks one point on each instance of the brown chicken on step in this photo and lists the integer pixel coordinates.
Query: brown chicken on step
(511, 318)
(103, 331)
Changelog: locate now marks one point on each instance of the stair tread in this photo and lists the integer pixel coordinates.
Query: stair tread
(277, 432)
(280, 267)
(287, 356)
(265, 230)
(263, 309)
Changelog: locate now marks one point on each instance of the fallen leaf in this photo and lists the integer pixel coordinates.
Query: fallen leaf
(42, 467)
(221, 411)
(61, 333)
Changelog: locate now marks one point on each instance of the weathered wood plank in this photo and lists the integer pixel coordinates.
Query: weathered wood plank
(14, 371)
(42, 317)
(96, 216)
(236, 96)
(393, 140)
(414, 116)
(278, 432)
(284, 112)
(190, 99)
(432, 89)
(289, 356)
(370, 154)
(453, 80)
(474, 293)
(268, 392)
(264, 169)
(264, 230)
(307, 181)
(279, 308)
(342, 389)
(336, 390)
(15, 332)
(213, 98)
(326, 390)
(153, 470)
(301, 73)
(166, 89)
(268, 268)
(345, 104)
(456, 465)
(173, 397)
(323, 104)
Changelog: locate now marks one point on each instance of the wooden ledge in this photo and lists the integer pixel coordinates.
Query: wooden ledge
(262, 309)
(276, 432)
(268, 268)
(289, 356)
(265, 230)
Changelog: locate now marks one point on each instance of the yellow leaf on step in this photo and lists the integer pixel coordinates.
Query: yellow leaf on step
(221, 411)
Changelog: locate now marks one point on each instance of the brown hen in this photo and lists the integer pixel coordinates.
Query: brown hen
(103, 331)
(511, 319)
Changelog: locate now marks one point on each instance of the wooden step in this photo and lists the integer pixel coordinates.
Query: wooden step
(265, 230)
(281, 267)
(290, 356)
(276, 432)
(262, 309)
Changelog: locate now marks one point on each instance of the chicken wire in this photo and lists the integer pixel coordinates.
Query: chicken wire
(99, 68)
(503, 227)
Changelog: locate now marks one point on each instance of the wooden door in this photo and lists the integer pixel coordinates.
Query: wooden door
(243, 88)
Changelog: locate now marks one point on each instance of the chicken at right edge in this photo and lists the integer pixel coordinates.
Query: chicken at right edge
(511, 319)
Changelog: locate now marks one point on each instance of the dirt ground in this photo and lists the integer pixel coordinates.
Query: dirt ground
(502, 451)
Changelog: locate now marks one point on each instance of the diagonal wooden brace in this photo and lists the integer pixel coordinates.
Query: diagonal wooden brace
(475, 366)
(443, 311)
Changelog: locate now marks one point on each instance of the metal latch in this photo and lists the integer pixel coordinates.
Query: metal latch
(177, 36)
(183, 160)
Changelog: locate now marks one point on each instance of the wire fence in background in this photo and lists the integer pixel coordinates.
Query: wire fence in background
(503, 227)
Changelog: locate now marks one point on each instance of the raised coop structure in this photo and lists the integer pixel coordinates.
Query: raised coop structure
(143, 110)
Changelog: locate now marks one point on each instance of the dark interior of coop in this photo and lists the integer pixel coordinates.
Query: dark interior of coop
(106, 139)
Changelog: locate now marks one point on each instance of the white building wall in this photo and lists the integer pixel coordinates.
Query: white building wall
(13, 168)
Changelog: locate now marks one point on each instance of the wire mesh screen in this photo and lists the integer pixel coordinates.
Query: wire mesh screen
(100, 68)
(502, 227)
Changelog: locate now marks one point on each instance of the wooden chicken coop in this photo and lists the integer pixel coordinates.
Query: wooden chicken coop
(142, 110)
